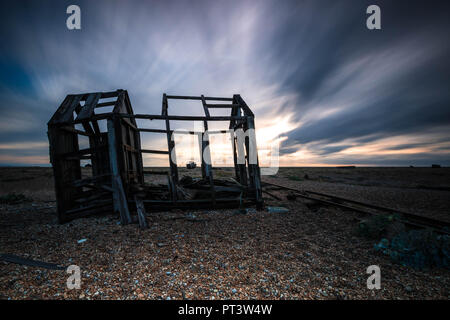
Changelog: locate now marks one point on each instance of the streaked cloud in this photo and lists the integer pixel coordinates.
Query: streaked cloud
(329, 90)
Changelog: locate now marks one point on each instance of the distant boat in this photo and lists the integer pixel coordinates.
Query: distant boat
(191, 165)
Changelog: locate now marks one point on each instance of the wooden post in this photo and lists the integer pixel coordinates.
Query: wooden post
(206, 151)
(234, 150)
(254, 170)
(240, 168)
(170, 143)
(64, 171)
(141, 213)
(119, 197)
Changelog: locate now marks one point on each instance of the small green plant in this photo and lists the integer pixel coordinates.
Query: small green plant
(13, 198)
(419, 249)
(295, 178)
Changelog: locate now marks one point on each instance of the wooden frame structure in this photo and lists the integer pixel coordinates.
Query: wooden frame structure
(113, 145)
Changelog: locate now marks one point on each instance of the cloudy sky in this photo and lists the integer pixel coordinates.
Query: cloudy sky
(321, 84)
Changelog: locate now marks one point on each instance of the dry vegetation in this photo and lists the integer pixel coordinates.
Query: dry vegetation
(311, 252)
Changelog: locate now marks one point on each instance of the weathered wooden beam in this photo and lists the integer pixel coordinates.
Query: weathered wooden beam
(129, 124)
(152, 130)
(154, 151)
(243, 105)
(63, 171)
(80, 132)
(140, 209)
(119, 198)
(180, 118)
(67, 113)
(106, 104)
(219, 105)
(108, 115)
(99, 203)
(207, 164)
(88, 109)
(198, 98)
(110, 94)
(119, 101)
(63, 106)
(205, 108)
(170, 145)
(78, 153)
(254, 169)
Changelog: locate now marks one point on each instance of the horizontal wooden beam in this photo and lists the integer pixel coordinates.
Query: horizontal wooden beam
(156, 172)
(154, 151)
(220, 105)
(100, 203)
(198, 98)
(182, 118)
(152, 130)
(80, 132)
(156, 117)
(106, 104)
(78, 153)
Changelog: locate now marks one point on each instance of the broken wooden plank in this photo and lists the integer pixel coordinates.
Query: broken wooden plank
(119, 198)
(141, 213)
(154, 151)
(29, 262)
(88, 109)
(73, 130)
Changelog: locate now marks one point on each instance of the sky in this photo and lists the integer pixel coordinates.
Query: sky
(324, 88)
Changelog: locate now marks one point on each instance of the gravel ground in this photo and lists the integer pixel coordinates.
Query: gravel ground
(307, 253)
(422, 191)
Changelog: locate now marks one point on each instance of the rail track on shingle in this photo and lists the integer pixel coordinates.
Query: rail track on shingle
(410, 219)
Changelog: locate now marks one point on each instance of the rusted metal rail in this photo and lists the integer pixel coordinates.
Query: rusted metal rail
(410, 219)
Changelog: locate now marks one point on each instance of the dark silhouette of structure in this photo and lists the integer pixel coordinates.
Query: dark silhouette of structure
(101, 128)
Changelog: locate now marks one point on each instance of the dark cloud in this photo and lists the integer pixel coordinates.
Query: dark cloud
(407, 60)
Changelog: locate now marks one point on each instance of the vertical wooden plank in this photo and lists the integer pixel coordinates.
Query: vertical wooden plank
(64, 171)
(200, 148)
(140, 163)
(205, 107)
(137, 141)
(205, 145)
(170, 143)
(119, 198)
(240, 168)
(250, 168)
(255, 170)
(141, 213)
